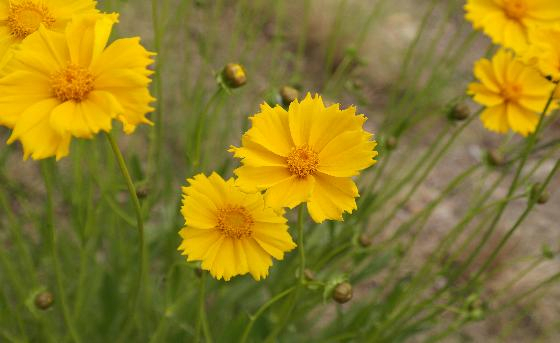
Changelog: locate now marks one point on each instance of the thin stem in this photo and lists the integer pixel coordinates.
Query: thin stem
(532, 140)
(301, 246)
(135, 291)
(45, 171)
(261, 310)
(202, 323)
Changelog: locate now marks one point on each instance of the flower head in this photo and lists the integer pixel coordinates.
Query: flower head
(507, 21)
(514, 94)
(59, 85)
(20, 18)
(544, 51)
(231, 232)
(306, 154)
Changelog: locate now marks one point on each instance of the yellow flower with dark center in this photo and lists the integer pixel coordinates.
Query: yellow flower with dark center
(514, 94)
(59, 85)
(20, 18)
(306, 154)
(507, 21)
(231, 232)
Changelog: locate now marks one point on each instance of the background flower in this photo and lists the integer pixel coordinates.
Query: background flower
(231, 232)
(306, 154)
(514, 94)
(60, 85)
(20, 18)
(507, 21)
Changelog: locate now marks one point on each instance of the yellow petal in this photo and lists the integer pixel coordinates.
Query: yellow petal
(270, 129)
(495, 118)
(259, 260)
(332, 197)
(521, 120)
(347, 154)
(260, 177)
(290, 192)
(273, 238)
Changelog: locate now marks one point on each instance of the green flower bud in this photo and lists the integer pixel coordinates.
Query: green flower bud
(364, 240)
(459, 112)
(233, 75)
(342, 293)
(495, 158)
(391, 143)
(539, 196)
(547, 252)
(44, 300)
(288, 95)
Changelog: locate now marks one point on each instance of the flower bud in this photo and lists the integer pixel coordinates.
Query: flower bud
(364, 240)
(233, 75)
(539, 195)
(142, 192)
(44, 300)
(391, 143)
(198, 272)
(342, 293)
(495, 158)
(459, 112)
(288, 94)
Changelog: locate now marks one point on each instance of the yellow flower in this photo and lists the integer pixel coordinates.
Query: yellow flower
(306, 154)
(60, 85)
(20, 18)
(231, 232)
(514, 94)
(544, 50)
(507, 21)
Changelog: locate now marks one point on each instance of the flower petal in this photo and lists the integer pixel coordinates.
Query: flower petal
(290, 192)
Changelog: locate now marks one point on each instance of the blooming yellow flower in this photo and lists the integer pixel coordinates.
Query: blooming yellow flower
(20, 18)
(59, 85)
(507, 21)
(514, 94)
(306, 154)
(231, 232)
(544, 50)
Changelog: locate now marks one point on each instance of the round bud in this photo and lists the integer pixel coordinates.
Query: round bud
(541, 196)
(233, 75)
(547, 252)
(288, 94)
(44, 300)
(364, 240)
(342, 293)
(142, 192)
(495, 158)
(391, 143)
(459, 112)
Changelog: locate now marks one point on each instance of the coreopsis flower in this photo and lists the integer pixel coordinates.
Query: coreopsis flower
(306, 154)
(544, 51)
(514, 94)
(507, 21)
(20, 18)
(231, 232)
(63, 85)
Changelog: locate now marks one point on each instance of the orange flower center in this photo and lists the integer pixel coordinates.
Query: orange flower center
(512, 92)
(515, 9)
(25, 17)
(303, 161)
(235, 222)
(72, 83)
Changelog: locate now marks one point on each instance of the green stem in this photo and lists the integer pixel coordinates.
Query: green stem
(513, 187)
(261, 310)
(202, 323)
(47, 177)
(301, 248)
(135, 291)
(200, 128)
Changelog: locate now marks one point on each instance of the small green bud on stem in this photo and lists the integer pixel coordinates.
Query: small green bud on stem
(342, 293)
(233, 76)
(44, 300)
